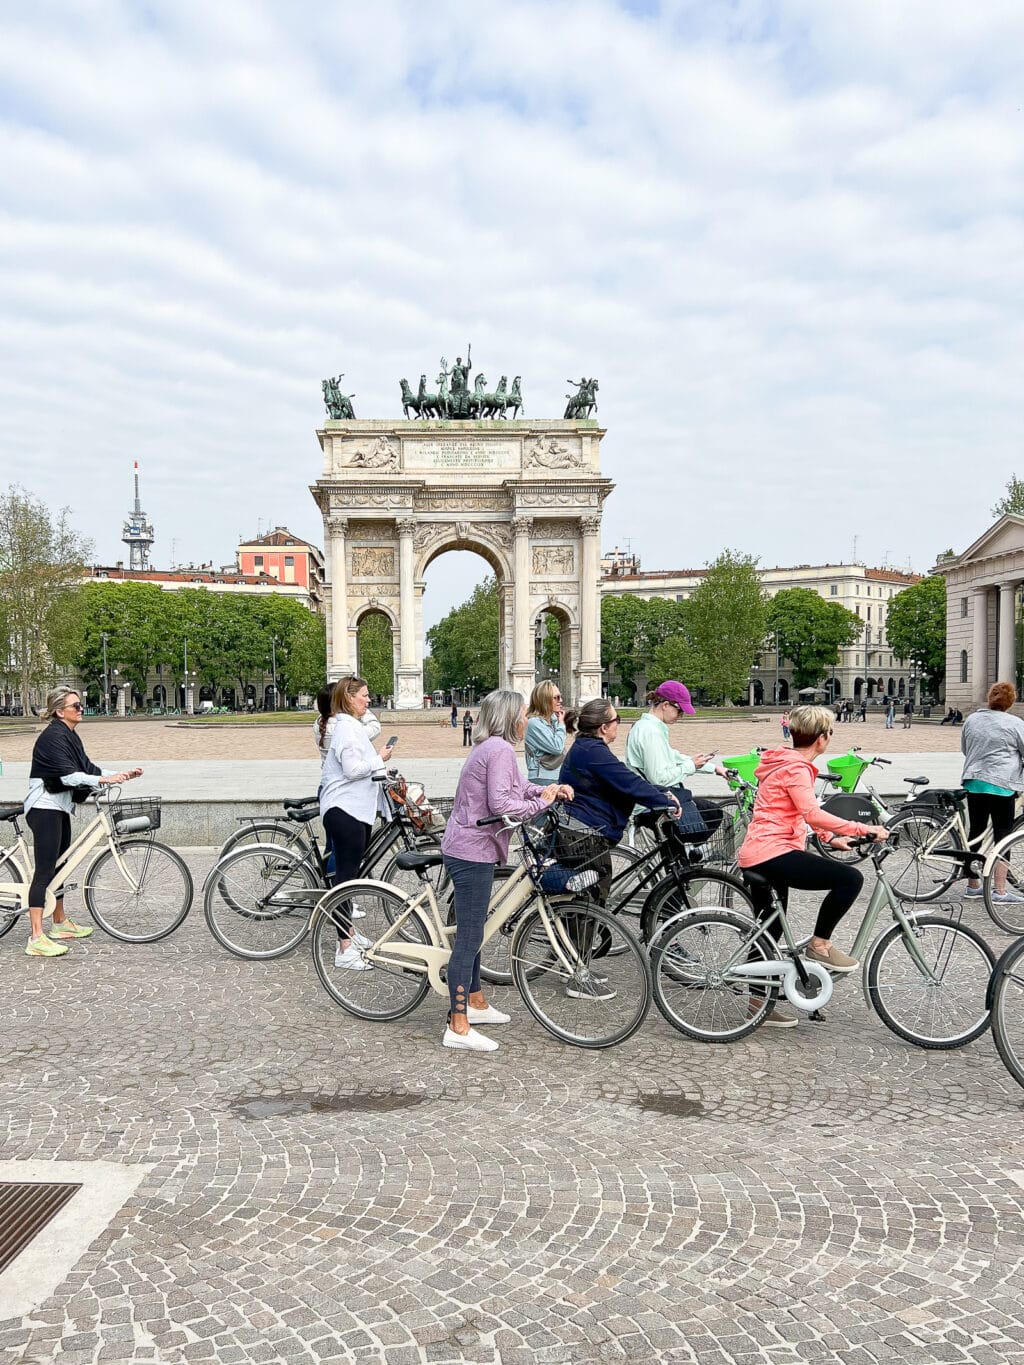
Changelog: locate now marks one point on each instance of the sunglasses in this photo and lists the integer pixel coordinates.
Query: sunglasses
(72, 706)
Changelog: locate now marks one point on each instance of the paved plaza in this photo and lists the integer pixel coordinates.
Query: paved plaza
(314, 1188)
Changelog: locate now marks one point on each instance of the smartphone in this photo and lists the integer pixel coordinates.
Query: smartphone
(392, 741)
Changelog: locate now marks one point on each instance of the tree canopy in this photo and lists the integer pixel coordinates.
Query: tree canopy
(811, 632)
(377, 655)
(725, 623)
(1012, 500)
(464, 644)
(916, 626)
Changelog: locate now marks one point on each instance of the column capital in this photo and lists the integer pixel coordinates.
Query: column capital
(406, 525)
(336, 526)
(522, 526)
(590, 525)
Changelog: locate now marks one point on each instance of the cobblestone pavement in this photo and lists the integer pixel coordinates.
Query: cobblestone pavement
(329, 1190)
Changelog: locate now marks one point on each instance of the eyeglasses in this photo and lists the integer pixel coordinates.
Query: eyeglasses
(831, 733)
(72, 706)
(614, 721)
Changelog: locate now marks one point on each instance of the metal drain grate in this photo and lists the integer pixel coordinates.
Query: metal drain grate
(24, 1211)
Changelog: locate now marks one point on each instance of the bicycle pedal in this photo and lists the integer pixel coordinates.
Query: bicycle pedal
(70, 886)
(816, 1017)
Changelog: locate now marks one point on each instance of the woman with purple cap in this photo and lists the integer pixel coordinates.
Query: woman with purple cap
(649, 752)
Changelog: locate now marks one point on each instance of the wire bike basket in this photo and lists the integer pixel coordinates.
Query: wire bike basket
(562, 854)
(126, 814)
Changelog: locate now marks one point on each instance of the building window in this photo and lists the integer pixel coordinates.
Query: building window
(679, 596)
(258, 561)
(833, 590)
(963, 662)
(963, 606)
(856, 607)
(868, 590)
(289, 561)
(869, 613)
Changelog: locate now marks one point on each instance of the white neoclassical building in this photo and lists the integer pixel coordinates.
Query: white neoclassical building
(525, 495)
(984, 613)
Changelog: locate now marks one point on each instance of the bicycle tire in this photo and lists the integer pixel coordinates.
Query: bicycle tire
(283, 832)
(7, 921)
(258, 901)
(587, 936)
(912, 875)
(162, 899)
(411, 883)
(1009, 915)
(937, 940)
(627, 893)
(699, 888)
(1006, 998)
(388, 991)
(688, 959)
(848, 806)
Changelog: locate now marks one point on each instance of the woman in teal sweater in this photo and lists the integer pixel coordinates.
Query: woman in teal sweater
(545, 733)
(649, 751)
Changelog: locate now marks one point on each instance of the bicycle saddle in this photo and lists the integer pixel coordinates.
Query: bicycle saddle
(418, 862)
(303, 816)
(755, 881)
(10, 812)
(917, 781)
(296, 802)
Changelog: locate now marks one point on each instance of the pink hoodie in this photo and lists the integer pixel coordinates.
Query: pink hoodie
(784, 807)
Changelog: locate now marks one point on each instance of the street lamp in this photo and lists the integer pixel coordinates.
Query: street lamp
(106, 683)
(185, 687)
(114, 684)
(776, 695)
(273, 665)
(755, 669)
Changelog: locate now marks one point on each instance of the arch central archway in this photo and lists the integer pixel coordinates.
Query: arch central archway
(526, 496)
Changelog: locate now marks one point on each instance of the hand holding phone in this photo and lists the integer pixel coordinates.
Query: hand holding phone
(392, 742)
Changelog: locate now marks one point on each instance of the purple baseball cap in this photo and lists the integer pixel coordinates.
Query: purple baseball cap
(676, 692)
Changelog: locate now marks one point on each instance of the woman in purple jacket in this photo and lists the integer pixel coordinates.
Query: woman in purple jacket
(490, 784)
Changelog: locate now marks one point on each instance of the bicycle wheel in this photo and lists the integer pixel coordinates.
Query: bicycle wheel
(282, 832)
(700, 889)
(582, 974)
(915, 870)
(410, 884)
(394, 985)
(946, 1013)
(149, 909)
(259, 899)
(7, 922)
(847, 807)
(690, 957)
(1006, 997)
(1009, 915)
(631, 872)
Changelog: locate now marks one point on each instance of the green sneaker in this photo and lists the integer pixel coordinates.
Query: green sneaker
(67, 928)
(44, 947)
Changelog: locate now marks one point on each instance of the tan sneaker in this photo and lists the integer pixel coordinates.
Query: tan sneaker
(834, 960)
(782, 1016)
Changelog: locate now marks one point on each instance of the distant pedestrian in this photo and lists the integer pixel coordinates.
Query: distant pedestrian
(908, 713)
(467, 729)
(890, 713)
(784, 722)
(864, 712)
(455, 715)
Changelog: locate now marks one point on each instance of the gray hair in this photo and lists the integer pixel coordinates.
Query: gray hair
(499, 714)
(55, 699)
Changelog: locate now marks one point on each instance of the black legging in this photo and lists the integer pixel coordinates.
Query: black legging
(51, 835)
(348, 837)
(985, 806)
(808, 872)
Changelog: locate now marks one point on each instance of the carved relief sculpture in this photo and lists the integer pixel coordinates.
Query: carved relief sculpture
(548, 452)
(382, 454)
(549, 559)
(378, 562)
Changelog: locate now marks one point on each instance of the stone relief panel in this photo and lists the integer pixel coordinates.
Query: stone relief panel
(553, 452)
(378, 562)
(379, 452)
(428, 501)
(582, 498)
(380, 498)
(373, 531)
(556, 530)
(553, 559)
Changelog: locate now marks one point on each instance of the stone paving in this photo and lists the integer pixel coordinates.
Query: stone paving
(329, 1190)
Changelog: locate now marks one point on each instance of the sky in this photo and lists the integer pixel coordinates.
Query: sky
(785, 235)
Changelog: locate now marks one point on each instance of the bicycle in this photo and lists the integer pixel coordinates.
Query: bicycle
(717, 976)
(1005, 998)
(136, 889)
(258, 898)
(559, 945)
(868, 807)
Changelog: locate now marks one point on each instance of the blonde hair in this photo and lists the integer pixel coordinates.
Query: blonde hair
(344, 690)
(55, 699)
(806, 723)
(542, 701)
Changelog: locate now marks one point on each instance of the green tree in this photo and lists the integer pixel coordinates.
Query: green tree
(811, 632)
(1012, 500)
(916, 627)
(551, 644)
(376, 654)
(725, 626)
(41, 558)
(464, 644)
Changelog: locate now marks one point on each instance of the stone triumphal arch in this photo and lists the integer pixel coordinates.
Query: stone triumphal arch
(525, 495)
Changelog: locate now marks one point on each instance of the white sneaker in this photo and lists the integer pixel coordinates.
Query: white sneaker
(579, 881)
(351, 960)
(973, 892)
(487, 1016)
(360, 940)
(357, 913)
(473, 1041)
(1014, 896)
(584, 985)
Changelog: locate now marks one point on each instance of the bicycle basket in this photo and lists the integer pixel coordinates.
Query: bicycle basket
(556, 849)
(745, 764)
(134, 808)
(411, 799)
(720, 845)
(848, 767)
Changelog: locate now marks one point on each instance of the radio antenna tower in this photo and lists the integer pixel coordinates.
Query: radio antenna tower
(138, 532)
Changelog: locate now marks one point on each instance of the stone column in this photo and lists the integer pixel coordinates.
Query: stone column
(410, 672)
(338, 664)
(521, 674)
(590, 609)
(1007, 634)
(979, 648)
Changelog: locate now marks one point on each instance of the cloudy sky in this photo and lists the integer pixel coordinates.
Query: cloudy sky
(785, 235)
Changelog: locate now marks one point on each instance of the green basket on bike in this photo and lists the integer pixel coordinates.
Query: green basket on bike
(745, 765)
(848, 768)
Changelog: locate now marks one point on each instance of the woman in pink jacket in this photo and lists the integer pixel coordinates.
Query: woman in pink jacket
(775, 842)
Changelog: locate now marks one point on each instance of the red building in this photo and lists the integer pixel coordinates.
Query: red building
(285, 557)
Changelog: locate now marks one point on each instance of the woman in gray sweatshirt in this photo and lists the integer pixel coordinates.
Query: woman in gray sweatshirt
(992, 742)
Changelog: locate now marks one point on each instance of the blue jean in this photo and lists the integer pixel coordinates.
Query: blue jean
(471, 883)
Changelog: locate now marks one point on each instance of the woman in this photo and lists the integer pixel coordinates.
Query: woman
(992, 743)
(606, 790)
(545, 733)
(775, 842)
(348, 799)
(649, 753)
(60, 776)
(490, 784)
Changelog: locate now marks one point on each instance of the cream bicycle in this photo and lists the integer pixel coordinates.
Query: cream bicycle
(137, 890)
(581, 972)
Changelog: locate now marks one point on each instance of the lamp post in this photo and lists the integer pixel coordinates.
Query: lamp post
(106, 683)
(114, 671)
(776, 696)
(187, 698)
(755, 669)
(273, 665)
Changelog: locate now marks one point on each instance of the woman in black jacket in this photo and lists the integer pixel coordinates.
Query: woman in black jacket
(61, 773)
